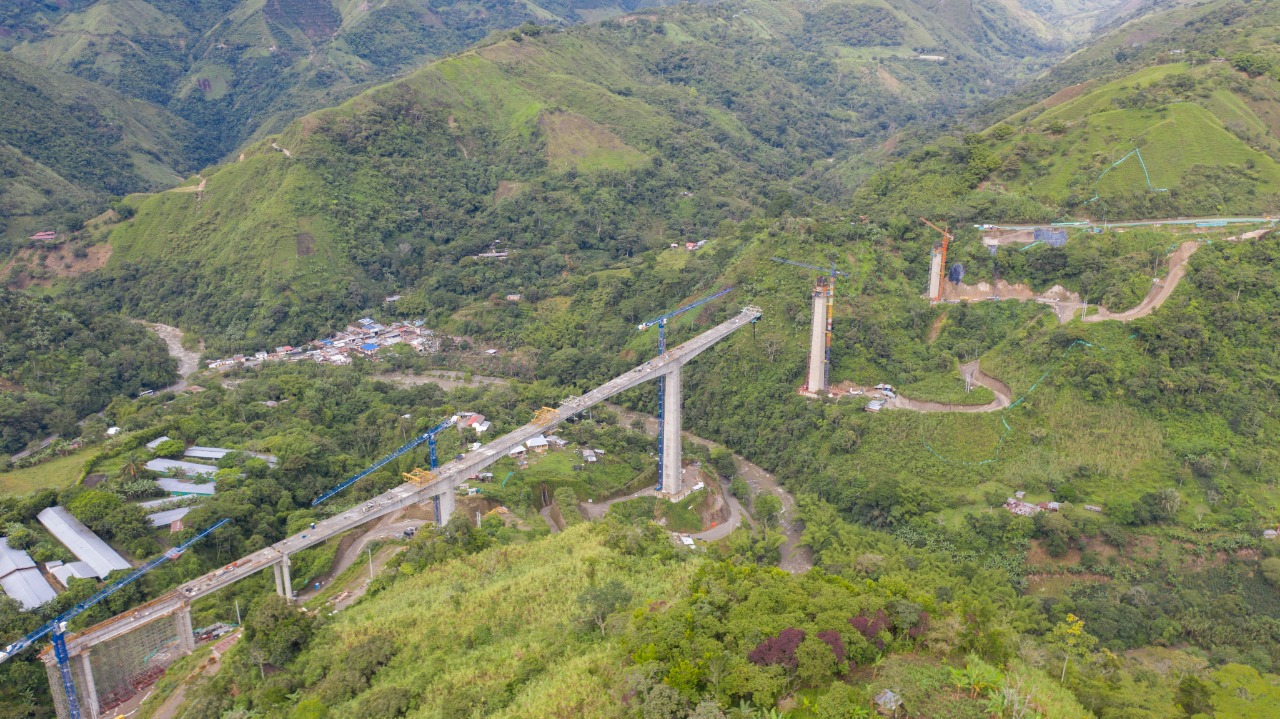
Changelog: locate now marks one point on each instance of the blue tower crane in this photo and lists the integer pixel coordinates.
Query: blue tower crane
(661, 322)
(57, 626)
(429, 437)
(829, 270)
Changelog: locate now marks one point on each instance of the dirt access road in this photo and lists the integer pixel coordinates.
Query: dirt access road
(188, 360)
(1066, 303)
(388, 527)
(1004, 396)
(795, 558)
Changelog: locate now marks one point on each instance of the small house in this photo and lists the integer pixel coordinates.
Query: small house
(889, 704)
(538, 444)
(589, 455)
(1270, 534)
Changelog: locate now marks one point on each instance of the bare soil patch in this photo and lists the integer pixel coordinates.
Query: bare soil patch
(507, 188)
(1065, 94)
(59, 262)
(306, 244)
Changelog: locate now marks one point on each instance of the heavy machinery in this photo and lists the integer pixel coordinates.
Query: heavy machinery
(57, 627)
(429, 437)
(938, 263)
(661, 322)
(824, 297)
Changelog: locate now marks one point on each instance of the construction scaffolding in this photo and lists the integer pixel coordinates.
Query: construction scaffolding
(120, 667)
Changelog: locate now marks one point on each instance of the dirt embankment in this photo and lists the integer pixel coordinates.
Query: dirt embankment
(53, 264)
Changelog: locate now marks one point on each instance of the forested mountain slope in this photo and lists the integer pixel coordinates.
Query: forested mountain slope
(577, 149)
(1194, 91)
(67, 144)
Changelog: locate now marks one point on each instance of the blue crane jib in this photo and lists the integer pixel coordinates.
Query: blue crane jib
(661, 322)
(429, 437)
(829, 270)
(58, 625)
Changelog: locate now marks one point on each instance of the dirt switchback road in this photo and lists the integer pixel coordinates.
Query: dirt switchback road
(1004, 396)
(795, 558)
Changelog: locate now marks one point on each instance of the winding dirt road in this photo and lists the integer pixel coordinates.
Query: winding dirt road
(1066, 303)
(1004, 396)
(795, 558)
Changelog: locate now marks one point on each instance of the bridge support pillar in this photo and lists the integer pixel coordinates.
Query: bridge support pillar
(672, 473)
(445, 503)
(182, 625)
(287, 580)
(275, 569)
(89, 699)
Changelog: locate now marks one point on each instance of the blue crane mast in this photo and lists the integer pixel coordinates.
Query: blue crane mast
(661, 322)
(429, 437)
(57, 626)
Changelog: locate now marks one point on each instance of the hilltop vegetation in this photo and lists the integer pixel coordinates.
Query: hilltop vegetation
(66, 145)
(59, 363)
(580, 150)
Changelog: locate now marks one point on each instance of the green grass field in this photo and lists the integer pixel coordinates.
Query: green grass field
(57, 473)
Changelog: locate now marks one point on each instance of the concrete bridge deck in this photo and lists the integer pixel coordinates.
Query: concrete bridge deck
(448, 476)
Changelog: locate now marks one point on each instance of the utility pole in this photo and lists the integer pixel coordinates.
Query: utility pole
(238, 622)
(370, 551)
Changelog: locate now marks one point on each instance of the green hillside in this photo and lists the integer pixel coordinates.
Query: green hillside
(67, 144)
(577, 149)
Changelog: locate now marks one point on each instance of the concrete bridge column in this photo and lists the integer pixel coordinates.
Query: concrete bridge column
(672, 473)
(445, 503)
(182, 625)
(275, 569)
(89, 698)
(287, 580)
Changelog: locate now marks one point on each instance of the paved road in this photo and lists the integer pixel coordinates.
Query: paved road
(1145, 223)
(447, 477)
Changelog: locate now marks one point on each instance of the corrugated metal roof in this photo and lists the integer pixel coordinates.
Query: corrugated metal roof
(208, 452)
(156, 442)
(158, 502)
(64, 573)
(165, 466)
(82, 541)
(167, 517)
(12, 559)
(29, 587)
(177, 486)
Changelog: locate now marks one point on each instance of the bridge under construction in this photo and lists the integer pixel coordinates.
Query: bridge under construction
(131, 648)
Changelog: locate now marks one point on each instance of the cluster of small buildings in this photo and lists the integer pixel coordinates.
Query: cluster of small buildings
(690, 246)
(362, 338)
(22, 580)
(1017, 505)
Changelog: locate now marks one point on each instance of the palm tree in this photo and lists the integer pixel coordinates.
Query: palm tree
(133, 466)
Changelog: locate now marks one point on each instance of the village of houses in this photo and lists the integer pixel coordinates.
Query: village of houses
(364, 338)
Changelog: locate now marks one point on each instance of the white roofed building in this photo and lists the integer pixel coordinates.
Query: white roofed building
(82, 542)
(20, 578)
